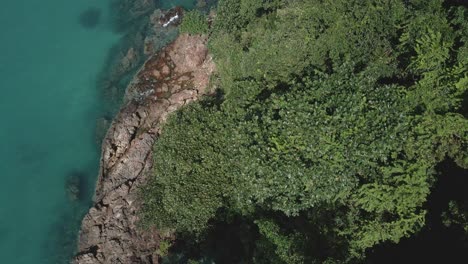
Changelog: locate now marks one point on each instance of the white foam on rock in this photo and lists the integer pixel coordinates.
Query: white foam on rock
(171, 20)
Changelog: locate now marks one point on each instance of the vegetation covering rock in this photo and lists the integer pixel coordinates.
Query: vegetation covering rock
(194, 22)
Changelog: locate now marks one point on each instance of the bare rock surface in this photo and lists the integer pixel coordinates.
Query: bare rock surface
(175, 76)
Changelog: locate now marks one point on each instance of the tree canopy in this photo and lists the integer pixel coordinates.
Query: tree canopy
(327, 128)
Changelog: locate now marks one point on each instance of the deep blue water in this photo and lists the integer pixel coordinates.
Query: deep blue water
(52, 52)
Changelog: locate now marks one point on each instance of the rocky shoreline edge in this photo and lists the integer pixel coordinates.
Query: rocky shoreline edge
(168, 80)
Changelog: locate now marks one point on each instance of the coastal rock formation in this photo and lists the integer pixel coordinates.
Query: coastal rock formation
(143, 37)
(177, 75)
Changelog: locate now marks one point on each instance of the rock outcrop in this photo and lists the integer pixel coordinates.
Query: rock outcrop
(177, 75)
(141, 40)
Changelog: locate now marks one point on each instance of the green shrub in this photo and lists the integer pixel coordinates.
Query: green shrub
(194, 22)
(163, 249)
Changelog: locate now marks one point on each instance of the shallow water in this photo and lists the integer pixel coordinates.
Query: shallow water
(187, 4)
(52, 54)
(48, 109)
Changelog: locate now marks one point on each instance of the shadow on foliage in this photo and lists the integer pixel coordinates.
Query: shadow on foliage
(214, 100)
(228, 242)
(464, 107)
(449, 3)
(435, 243)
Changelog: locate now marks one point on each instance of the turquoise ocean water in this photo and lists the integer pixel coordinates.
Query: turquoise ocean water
(48, 110)
(49, 103)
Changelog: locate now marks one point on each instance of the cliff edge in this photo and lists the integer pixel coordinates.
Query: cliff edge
(175, 76)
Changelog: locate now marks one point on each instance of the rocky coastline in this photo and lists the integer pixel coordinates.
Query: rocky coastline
(175, 76)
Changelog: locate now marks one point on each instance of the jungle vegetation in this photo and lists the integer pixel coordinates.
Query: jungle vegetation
(324, 138)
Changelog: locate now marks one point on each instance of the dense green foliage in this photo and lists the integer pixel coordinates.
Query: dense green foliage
(332, 114)
(194, 22)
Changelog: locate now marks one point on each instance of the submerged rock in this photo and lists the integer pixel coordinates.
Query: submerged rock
(75, 185)
(126, 12)
(90, 18)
